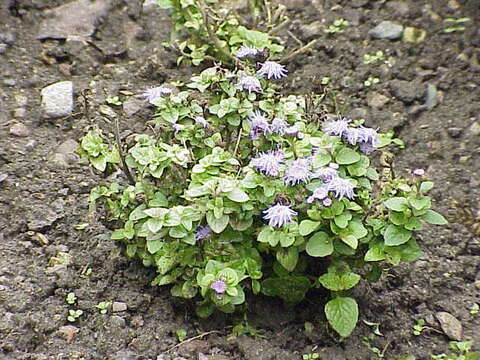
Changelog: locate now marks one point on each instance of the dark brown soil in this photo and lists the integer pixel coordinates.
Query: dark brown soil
(42, 198)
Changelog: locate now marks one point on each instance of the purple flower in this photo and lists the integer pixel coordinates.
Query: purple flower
(298, 171)
(337, 127)
(320, 193)
(178, 127)
(418, 172)
(247, 51)
(202, 232)
(152, 94)
(219, 287)
(269, 163)
(258, 124)
(341, 187)
(250, 83)
(279, 215)
(366, 148)
(278, 126)
(292, 130)
(200, 120)
(271, 69)
(327, 202)
(352, 135)
(326, 173)
(368, 135)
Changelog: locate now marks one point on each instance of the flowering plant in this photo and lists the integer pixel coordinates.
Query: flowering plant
(241, 190)
(212, 30)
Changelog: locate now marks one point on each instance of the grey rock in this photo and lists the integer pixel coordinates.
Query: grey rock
(133, 106)
(118, 321)
(57, 99)
(358, 113)
(65, 154)
(431, 98)
(45, 215)
(119, 306)
(399, 8)
(450, 325)
(3, 48)
(358, 3)
(19, 130)
(454, 132)
(20, 113)
(475, 129)
(376, 100)
(21, 100)
(312, 29)
(9, 82)
(387, 30)
(407, 91)
(74, 19)
(8, 38)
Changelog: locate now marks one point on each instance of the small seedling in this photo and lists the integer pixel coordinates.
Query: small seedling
(103, 306)
(86, 272)
(81, 226)
(338, 26)
(114, 100)
(371, 81)
(181, 334)
(455, 22)
(461, 350)
(73, 315)
(373, 58)
(474, 309)
(308, 327)
(325, 80)
(419, 327)
(375, 327)
(311, 356)
(71, 298)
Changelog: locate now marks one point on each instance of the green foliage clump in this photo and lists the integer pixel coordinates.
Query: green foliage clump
(196, 209)
(211, 29)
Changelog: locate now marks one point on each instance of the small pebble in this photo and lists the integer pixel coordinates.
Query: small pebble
(19, 130)
(119, 306)
(118, 321)
(387, 30)
(9, 82)
(450, 325)
(20, 113)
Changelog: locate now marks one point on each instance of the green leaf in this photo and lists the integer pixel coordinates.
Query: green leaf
(395, 235)
(237, 195)
(320, 160)
(339, 282)
(372, 174)
(420, 203)
(434, 218)
(347, 156)
(154, 225)
(342, 220)
(291, 289)
(319, 245)
(426, 186)
(342, 314)
(118, 234)
(217, 225)
(268, 235)
(154, 245)
(375, 253)
(396, 204)
(357, 229)
(99, 162)
(307, 227)
(350, 240)
(288, 258)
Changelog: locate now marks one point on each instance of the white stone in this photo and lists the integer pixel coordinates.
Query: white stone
(57, 99)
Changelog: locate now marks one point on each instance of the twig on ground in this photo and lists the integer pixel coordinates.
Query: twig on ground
(194, 338)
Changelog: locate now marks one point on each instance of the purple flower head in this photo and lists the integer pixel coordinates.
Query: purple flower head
(341, 187)
(269, 163)
(368, 135)
(219, 286)
(250, 83)
(258, 124)
(200, 120)
(327, 202)
(366, 148)
(247, 51)
(178, 127)
(337, 127)
(279, 215)
(271, 69)
(202, 232)
(292, 130)
(320, 193)
(326, 173)
(418, 172)
(278, 126)
(352, 135)
(152, 94)
(298, 171)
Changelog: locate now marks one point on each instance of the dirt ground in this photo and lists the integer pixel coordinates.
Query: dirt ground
(44, 187)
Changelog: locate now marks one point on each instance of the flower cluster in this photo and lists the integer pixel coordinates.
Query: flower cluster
(259, 125)
(250, 83)
(298, 171)
(279, 215)
(340, 187)
(366, 138)
(269, 163)
(247, 52)
(153, 94)
(272, 69)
